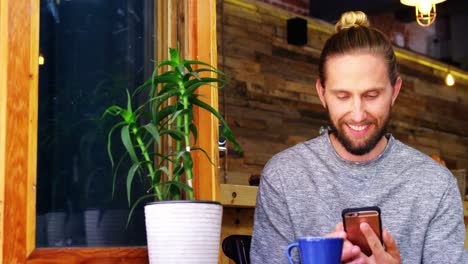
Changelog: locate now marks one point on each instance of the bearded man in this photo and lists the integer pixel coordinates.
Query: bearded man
(304, 189)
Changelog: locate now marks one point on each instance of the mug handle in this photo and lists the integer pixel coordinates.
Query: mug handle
(288, 251)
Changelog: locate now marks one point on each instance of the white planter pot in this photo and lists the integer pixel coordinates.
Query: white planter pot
(183, 231)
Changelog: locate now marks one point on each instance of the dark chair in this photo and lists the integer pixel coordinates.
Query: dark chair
(237, 248)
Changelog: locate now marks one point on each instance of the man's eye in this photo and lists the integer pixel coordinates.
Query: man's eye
(372, 95)
(343, 97)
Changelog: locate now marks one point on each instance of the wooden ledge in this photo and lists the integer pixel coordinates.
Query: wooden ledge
(238, 195)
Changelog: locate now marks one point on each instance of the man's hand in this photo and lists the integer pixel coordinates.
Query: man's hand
(350, 252)
(389, 255)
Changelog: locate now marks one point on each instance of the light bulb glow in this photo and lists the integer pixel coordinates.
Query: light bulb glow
(449, 80)
(425, 10)
(425, 6)
(41, 59)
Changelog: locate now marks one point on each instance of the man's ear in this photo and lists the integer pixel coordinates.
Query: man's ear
(396, 90)
(321, 92)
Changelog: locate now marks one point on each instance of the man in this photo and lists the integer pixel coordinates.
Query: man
(357, 164)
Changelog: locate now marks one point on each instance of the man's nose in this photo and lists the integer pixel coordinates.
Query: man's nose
(358, 113)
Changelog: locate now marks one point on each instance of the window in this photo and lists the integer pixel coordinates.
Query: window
(94, 51)
(19, 20)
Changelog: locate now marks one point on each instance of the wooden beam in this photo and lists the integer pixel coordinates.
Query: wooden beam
(20, 128)
(31, 182)
(238, 195)
(133, 255)
(3, 110)
(202, 46)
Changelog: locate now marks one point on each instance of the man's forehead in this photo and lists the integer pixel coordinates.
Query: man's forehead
(356, 70)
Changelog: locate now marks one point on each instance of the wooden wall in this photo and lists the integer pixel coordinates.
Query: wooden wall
(272, 103)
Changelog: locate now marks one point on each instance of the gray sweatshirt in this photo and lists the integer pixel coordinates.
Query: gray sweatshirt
(303, 190)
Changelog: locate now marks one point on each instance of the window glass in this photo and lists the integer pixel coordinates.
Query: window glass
(93, 51)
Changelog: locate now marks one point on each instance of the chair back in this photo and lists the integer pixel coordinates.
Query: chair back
(237, 248)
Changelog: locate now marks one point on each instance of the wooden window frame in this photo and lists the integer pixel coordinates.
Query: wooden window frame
(19, 50)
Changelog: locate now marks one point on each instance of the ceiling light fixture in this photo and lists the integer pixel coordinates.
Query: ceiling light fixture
(425, 10)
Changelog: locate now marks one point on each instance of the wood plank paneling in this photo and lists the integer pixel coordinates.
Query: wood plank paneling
(272, 103)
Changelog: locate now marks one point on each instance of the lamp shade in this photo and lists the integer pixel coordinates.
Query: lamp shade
(416, 2)
(425, 10)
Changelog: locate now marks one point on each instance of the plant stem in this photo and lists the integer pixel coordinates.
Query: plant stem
(188, 171)
(178, 148)
(145, 154)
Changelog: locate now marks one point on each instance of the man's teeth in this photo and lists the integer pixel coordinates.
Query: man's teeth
(357, 128)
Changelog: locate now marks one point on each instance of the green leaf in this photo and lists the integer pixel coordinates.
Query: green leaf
(178, 170)
(127, 141)
(156, 179)
(176, 114)
(188, 162)
(129, 102)
(167, 63)
(130, 176)
(165, 170)
(192, 88)
(143, 86)
(142, 198)
(114, 175)
(193, 130)
(193, 62)
(204, 80)
(195, 75)
(173, 192)
(174, 55)
(178, 184)
(163, 113)
(167, 77)
(166, 88)
(227, 133)
(151, 128)
(175, 134)
(202, 150)
(109, 141)
(162, 97)
(112, 110)
(181, 69)
(213, 70)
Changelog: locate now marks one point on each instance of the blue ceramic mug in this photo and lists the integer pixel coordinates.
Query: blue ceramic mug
(317, 250)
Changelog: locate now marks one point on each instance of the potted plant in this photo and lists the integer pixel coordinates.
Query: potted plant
(177, 226)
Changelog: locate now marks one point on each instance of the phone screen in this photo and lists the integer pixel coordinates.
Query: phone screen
(353, 217)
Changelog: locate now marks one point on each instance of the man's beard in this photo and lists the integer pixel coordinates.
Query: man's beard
(366, 146)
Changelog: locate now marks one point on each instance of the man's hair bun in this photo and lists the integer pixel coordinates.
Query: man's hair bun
(352, 19)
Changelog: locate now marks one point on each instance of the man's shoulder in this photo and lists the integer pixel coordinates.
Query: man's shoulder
(296, 155)
(411, 159)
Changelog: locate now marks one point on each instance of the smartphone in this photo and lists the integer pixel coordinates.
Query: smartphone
(353, 217)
